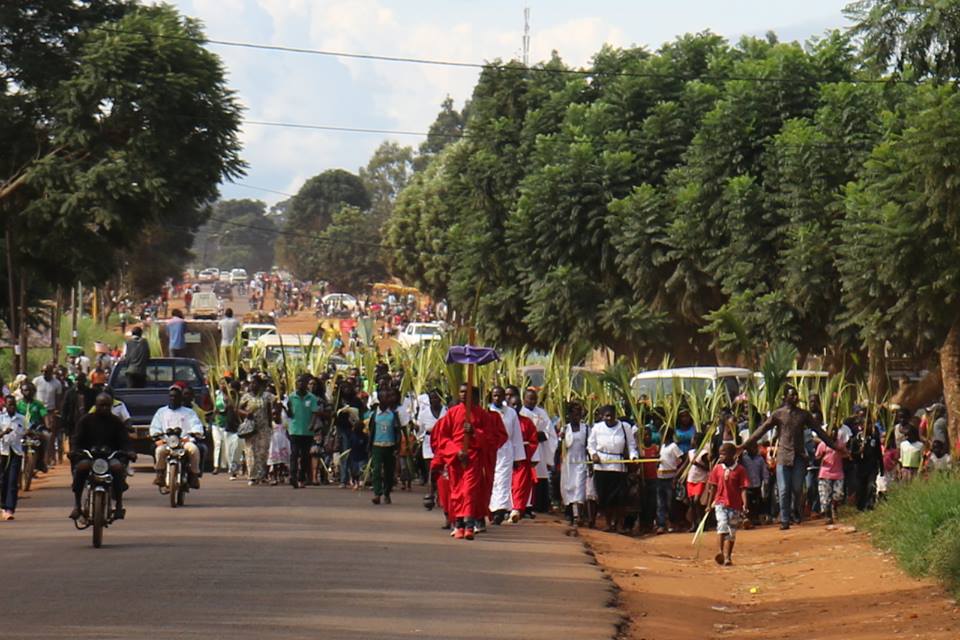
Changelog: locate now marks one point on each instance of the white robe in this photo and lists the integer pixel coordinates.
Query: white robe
(501, 499)
(546, 450)
(573, 472)
(425, 422)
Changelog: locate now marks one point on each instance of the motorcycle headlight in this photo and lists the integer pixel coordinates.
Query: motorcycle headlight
(173, 441)
(101, 466)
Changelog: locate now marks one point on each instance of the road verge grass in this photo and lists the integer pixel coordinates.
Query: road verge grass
(919, 523)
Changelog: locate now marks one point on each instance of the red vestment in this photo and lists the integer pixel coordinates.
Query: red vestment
(525, 473)
(469, 495)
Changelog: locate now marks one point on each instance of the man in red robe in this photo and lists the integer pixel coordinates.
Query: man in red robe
(464, 446)
(524, 471)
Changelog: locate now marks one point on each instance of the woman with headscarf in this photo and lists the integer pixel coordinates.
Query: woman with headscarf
(257, 405)
(609, 443)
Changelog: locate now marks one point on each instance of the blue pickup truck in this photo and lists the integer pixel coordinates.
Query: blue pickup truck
(143, 403)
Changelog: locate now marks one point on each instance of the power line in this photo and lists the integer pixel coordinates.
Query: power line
(327, 127)
(250, 186)
(501, 66)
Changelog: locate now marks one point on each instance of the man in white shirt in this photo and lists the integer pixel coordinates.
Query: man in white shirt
(50, 393)
(547, 450)
(511, 452)
(12, 429)
(176, 416)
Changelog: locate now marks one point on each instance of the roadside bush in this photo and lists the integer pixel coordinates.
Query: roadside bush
(920, 524)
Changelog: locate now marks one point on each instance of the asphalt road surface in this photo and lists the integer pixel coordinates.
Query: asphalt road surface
(274, 562)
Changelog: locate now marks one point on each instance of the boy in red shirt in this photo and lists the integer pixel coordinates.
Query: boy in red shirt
(727, 492)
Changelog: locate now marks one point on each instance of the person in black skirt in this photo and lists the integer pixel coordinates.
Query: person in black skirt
(611, 442)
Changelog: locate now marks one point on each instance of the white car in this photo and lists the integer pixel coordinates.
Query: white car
(419, 332)
(699, 380)
(224, 276)
(205, 306)
(208, 275)
(238, 276)
(340, 300)
(252, 332)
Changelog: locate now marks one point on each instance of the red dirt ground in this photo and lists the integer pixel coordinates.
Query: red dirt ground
(808, 583)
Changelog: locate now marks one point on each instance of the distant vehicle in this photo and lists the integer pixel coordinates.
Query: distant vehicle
(338, 363)
(223, 290)
(143, 403)
(205, 306)
(419, 332)
(224, 276)
(703, 381)
(238, 276)
(208, 275)
(342, 300)
(260, 275)
(535, 375)
(292, 347)
(252, 332)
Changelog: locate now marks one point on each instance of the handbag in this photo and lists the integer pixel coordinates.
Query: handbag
(246, 428)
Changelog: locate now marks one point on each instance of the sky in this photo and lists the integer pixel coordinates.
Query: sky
(322, 90)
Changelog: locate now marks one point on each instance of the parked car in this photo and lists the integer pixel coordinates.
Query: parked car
(535, 375)
(143, 403)
(699, 380)
(205, 306)
(419, 332)
(238, 276)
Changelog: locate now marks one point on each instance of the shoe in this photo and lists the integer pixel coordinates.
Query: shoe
(829, 521)
(295, 485)
(375, 500)
(387, 500)
(343, 486)
(498, 518)
(468, 534)
(233, 477)
(75, 514)
(250, 483)
(159, 481)
(784, 526)
(216, 471)
(7, 515)
(480, 528)
(660, 531)
(459, 533)
(119, 513)
(193, 481)
(129, 472)
(514, 516)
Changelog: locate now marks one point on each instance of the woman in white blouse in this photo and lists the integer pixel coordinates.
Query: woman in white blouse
(609, 442)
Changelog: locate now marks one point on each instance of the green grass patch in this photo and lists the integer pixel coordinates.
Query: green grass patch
(920, 524)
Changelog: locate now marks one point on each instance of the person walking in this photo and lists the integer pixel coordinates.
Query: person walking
(50, 392)
(12, 429)
(385, 425)
(256, 405)
(303, 408)
(224, 428)
(573, 474)
(609, 442)
(229, 327)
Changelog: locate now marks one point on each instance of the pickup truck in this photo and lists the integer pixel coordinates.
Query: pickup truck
(143, 403)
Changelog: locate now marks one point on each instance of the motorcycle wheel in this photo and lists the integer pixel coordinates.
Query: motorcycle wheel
(99, 517)
(173, 484)
(29, 463)
(181, 493)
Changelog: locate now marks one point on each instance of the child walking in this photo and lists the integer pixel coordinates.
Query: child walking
(279, 455)
(830, 478)
(911, 454)
(727, 492)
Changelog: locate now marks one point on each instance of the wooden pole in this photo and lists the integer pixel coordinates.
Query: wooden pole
(55, 314)
(74, 295)
(468, 427)
(24, 362)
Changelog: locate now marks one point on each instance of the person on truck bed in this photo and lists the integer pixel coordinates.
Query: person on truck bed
(136, 355)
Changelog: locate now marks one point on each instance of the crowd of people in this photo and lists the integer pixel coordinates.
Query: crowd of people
(503, 458)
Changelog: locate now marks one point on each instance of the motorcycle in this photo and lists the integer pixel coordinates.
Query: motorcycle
(96, 502)
(31, 450)
(176, 483)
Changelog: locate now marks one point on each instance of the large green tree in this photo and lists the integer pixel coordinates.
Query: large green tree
(114, 118)
(311, 211)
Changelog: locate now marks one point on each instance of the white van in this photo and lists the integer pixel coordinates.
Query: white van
(704, 381)
(238, 276)
(205, 305)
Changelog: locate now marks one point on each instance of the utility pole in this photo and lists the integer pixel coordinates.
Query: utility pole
(526, 36)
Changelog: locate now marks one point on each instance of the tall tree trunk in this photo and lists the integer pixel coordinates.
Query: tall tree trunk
(950, 371)
(23, 331)
(55, 315)
(877, 382)
(12, 291)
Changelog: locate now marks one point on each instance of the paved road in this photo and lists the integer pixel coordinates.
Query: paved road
(273, 562)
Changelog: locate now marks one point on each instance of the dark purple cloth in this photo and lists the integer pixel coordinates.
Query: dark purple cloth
(468, 354)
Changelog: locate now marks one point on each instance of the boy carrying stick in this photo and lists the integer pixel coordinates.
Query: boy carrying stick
(727, 492)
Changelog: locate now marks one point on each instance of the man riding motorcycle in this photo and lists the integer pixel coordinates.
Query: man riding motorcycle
(100, 429)
(176, 416)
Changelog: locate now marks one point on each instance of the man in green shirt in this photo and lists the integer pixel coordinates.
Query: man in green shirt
(302, 407)
(34, 413)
